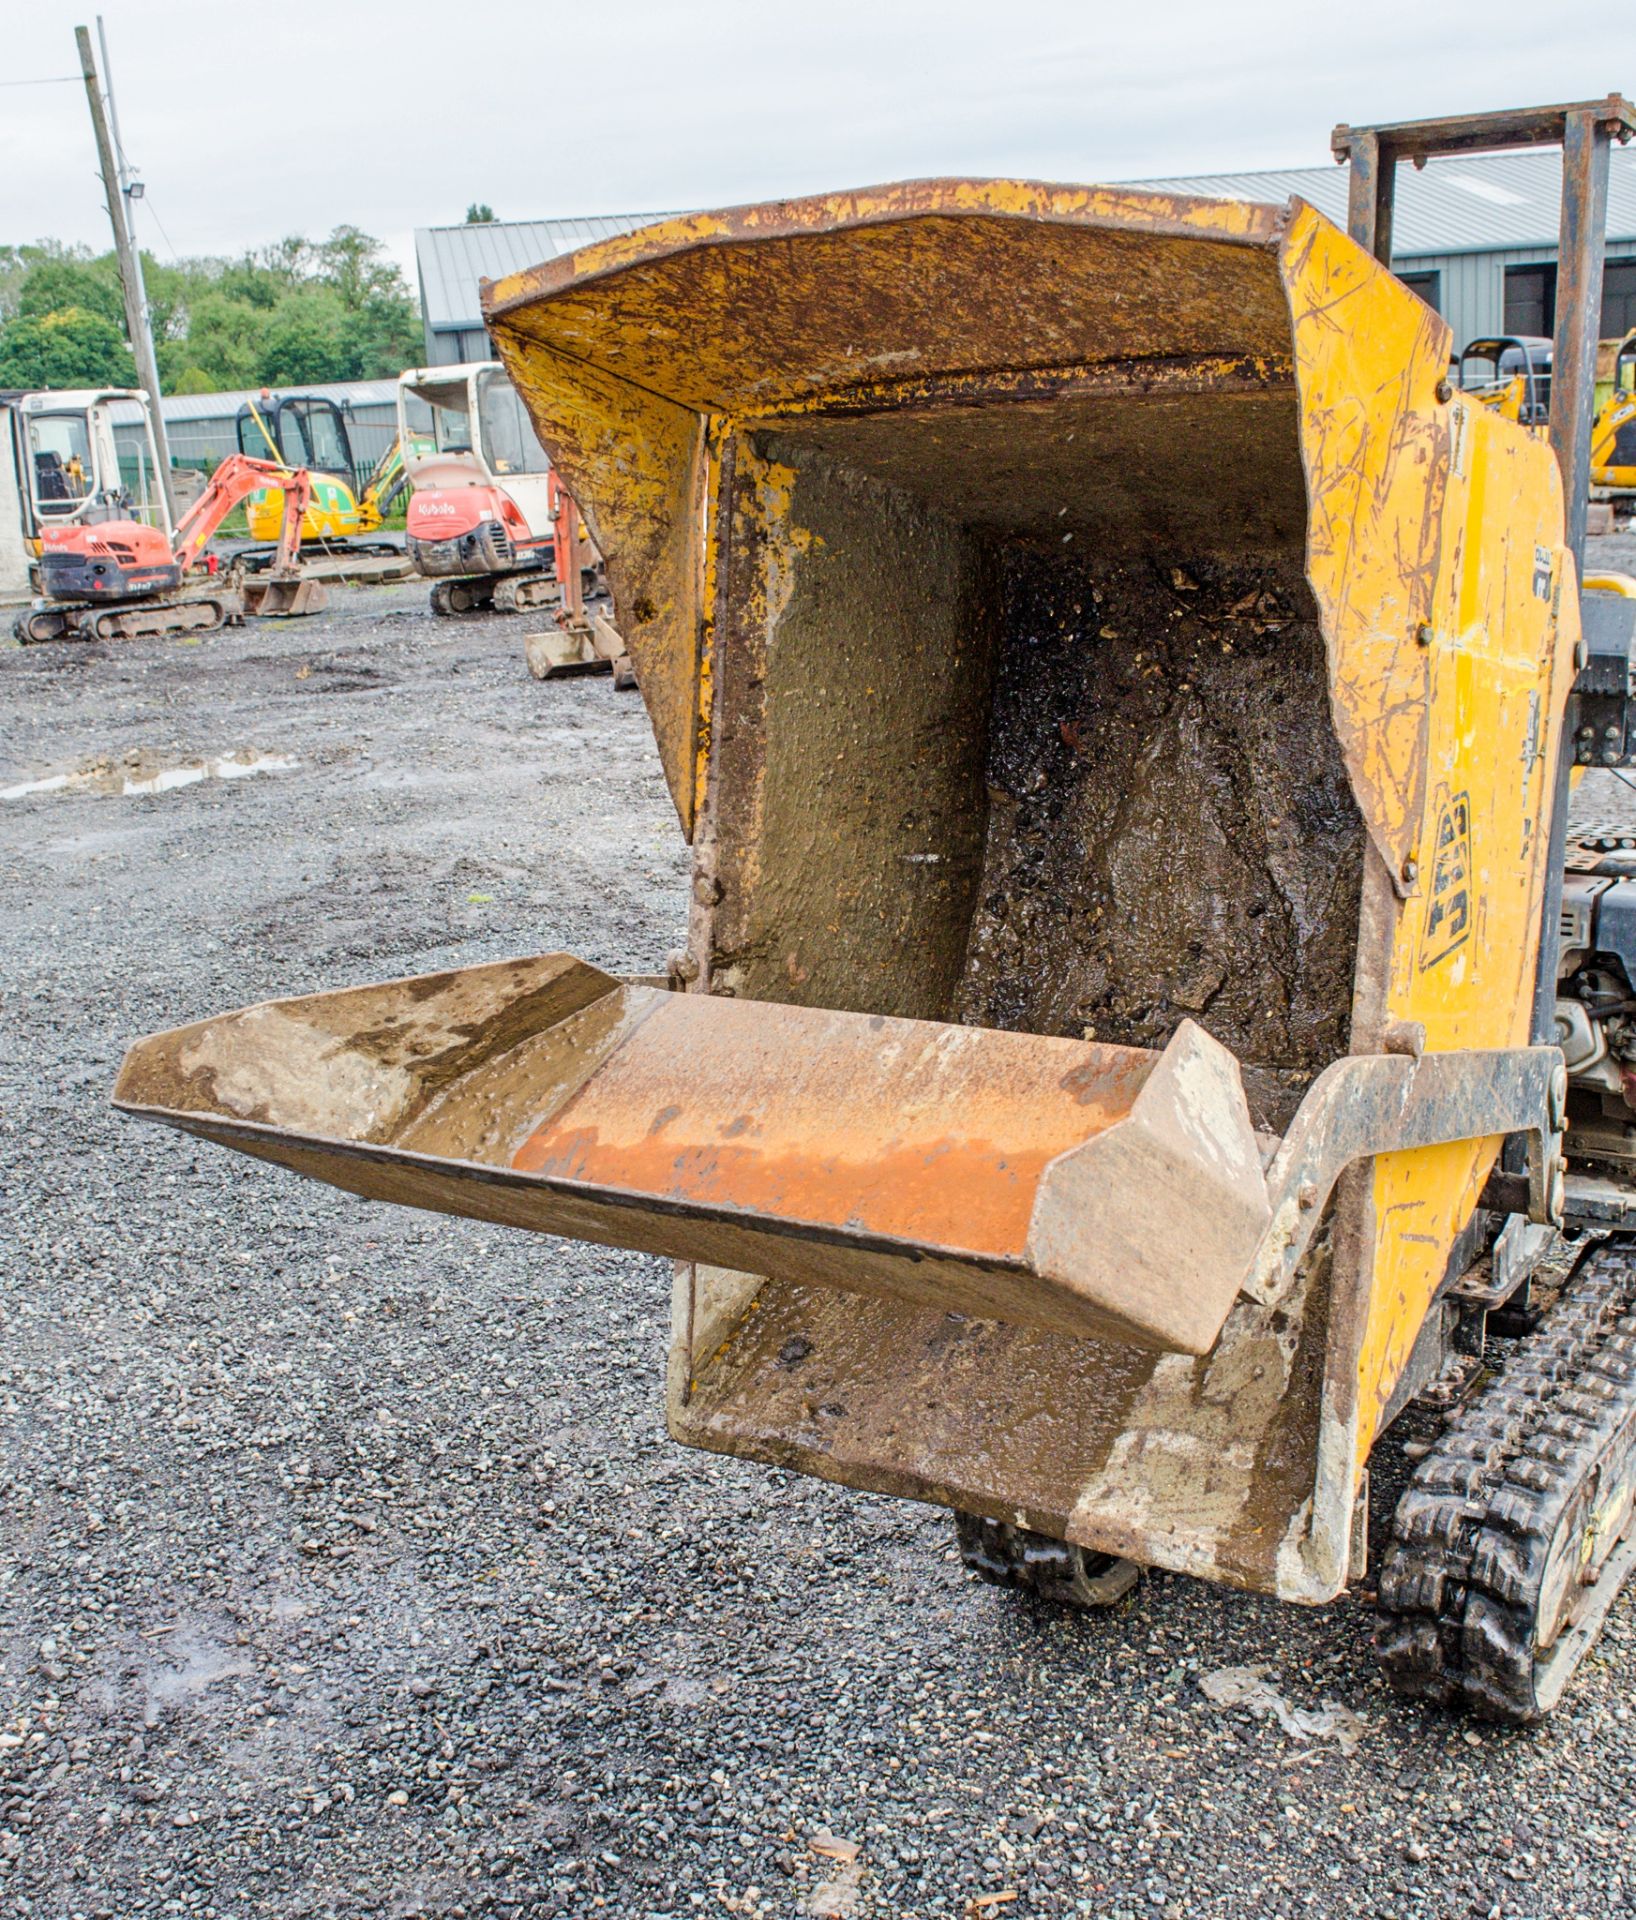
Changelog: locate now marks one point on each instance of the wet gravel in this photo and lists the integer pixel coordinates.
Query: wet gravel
(345, 1567)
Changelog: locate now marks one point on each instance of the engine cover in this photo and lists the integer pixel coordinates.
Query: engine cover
(465, 530)
(113, 560)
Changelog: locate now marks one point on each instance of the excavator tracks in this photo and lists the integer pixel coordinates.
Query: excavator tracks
(1008, 1556)
(512, 593)
(203, 615)
(132, 621)
(525, 590)
(1509, 1545)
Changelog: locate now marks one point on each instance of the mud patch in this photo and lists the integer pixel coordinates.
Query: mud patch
(1171, 830)
(352, 672)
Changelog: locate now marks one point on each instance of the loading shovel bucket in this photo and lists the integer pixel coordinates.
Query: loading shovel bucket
(1094, 1190)
(1109, 694)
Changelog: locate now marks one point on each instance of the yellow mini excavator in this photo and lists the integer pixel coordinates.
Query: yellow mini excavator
(1613, 437)
(1134, 1036)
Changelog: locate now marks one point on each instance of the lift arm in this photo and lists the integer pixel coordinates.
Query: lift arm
(237, 476)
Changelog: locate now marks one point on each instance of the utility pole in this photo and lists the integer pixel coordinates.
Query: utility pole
(130, 261)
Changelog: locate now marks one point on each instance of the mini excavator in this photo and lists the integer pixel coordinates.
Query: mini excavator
(122, 579)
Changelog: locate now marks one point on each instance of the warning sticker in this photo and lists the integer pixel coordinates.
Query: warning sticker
(1448, 917)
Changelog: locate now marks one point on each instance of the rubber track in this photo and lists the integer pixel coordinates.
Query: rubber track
(1011, 1556)
(524, 591)
(1460, 1582)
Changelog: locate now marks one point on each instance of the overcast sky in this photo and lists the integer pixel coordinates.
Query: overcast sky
(251, 122)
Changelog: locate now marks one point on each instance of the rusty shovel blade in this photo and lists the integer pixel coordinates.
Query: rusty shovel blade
(1094, 1189)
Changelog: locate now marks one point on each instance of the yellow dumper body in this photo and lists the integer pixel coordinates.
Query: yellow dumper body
(1111, 688)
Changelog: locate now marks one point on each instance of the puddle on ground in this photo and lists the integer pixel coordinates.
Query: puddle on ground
(142, 773)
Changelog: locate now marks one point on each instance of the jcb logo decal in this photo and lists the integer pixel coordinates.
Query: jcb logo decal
(1448, 917)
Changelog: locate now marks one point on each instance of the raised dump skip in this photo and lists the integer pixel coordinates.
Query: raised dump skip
(1081, 662)
(1059, 611)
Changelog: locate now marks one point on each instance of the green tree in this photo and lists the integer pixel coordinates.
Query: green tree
(294, 312)
(479, 213)
(386, 337)
(71, 348)
(174, 287)
(63, 285)
(354, 263)
(18, 262)
(308, 341)
(15, 266)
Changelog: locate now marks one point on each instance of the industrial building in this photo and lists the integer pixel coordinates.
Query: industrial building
(1476, 239)
(454, 261)
(202, 428)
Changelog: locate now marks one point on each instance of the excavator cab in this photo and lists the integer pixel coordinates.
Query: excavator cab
(480, 518)
(70, 458)
(310, 431)
(481, 435)
(1613, 436)
(59, 467)
(1510, 373)
(299, 429)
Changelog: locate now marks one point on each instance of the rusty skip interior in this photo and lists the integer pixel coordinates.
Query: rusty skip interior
(1021, 712)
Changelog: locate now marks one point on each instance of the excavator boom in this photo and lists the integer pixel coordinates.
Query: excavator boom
(234, 480)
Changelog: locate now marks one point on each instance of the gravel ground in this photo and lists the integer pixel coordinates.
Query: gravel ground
(345, 1567)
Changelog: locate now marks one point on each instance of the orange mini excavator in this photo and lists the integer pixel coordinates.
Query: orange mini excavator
(121, 579)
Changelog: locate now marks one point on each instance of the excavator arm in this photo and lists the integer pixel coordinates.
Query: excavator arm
(237, 476)
(391, 475)
(281, 588)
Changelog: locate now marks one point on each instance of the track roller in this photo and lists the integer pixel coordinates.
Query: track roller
(453, 597)
(1010, 1556)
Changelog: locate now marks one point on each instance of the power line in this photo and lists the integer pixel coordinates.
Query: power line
(153, 214)
(56, 80)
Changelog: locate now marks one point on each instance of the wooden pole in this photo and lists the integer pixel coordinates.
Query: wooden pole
(130, 271)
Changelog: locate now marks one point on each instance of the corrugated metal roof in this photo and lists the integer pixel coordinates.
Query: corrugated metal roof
(1480, 203)
(224, 406)
(453, 260)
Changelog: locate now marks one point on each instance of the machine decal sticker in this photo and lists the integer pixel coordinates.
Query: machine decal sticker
(1448, 919)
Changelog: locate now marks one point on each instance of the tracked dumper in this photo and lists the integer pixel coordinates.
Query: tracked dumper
(1105, 1079)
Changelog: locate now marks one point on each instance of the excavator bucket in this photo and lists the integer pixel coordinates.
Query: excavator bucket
(1109, 687)
(271, 594)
